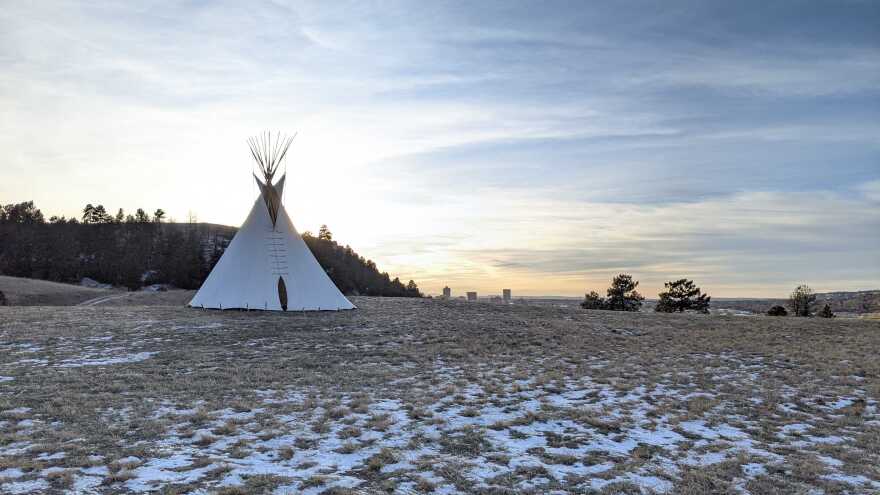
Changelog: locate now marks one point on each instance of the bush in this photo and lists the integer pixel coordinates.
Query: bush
(682, 295)
(826, 312)
(777, 311)
(3, 301)
(593, 301)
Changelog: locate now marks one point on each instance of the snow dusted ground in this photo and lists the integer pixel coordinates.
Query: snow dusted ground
(408, 396)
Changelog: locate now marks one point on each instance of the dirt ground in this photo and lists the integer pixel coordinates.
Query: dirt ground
(422, 396)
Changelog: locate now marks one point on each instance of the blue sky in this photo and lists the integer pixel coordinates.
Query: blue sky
(541, 146)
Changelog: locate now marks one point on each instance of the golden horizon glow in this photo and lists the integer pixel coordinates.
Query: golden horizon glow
(476, 147)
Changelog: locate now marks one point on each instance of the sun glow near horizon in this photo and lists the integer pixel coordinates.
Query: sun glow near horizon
(483, 148)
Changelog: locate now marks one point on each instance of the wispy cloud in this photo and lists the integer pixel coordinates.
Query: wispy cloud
(759, 242)
(537, 146)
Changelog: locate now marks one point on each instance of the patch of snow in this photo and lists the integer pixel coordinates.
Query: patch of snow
(830, 460)
(720, 431)
(654, 483)
(841, 403)
(796, 428)
(11, 473)
(831, 439)
(22, 487)
(16, 411)
(706, 459)
(86, 484)
(852, 479)
(26, 348)
(96, 471)
(127, 358)
(51, 457)
(15, 449)
(164, 470)
(224, 415)
(754, 469)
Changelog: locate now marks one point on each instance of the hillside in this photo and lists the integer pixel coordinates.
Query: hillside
(135, 251)
(30, 292)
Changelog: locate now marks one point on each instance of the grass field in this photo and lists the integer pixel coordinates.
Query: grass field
(31, 292)
(420, 396)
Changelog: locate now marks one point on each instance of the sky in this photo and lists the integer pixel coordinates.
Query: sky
(538, 146)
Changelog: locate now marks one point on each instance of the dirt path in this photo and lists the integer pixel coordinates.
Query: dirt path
(99, 300)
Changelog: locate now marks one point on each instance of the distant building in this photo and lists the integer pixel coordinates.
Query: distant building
(472, 296)
(447, 293)
(506, 295)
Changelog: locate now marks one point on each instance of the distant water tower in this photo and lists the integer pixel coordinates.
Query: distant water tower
(506, 295)
(447, 293)
(472, 296)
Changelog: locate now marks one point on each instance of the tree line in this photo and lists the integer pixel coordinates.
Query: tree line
(352, 273)
(134, 250)
(683, 295)
(123, 250)
(679, 296)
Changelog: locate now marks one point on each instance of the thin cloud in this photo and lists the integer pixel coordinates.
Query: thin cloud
(480, 144)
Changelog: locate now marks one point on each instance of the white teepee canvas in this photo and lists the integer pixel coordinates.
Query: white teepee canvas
(268, 266)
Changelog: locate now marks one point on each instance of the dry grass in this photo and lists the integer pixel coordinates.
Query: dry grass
(30, 292)
(419, 396)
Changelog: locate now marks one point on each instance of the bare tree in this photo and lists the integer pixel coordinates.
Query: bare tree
(802, 301)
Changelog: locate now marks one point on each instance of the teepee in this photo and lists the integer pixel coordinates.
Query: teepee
(267, 265)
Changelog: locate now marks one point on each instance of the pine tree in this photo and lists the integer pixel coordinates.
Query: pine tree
(777, 311)
(100, 215)
(88, 214)
(826, 312)
(412, 290)
(682, 295)
(21, 213)
(622, 295)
